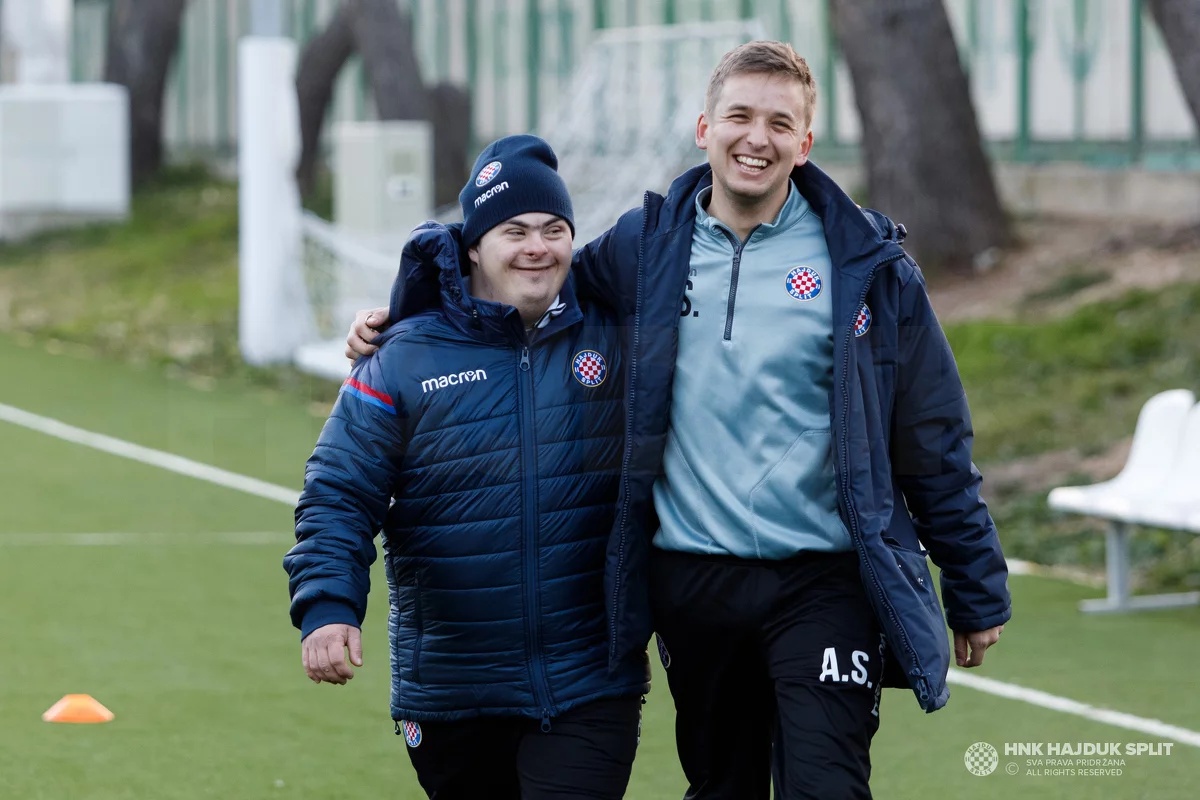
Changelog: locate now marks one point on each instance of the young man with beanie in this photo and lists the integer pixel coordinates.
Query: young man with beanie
(485, 438)
(798, 440)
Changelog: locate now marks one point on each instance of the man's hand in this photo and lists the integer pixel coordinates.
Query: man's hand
(324, 653)
(977, 643)
(363, 330)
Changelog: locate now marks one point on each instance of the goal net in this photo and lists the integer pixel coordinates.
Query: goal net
(342, 275)
(627, 121)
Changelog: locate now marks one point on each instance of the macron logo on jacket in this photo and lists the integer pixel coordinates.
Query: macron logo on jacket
(453, 379)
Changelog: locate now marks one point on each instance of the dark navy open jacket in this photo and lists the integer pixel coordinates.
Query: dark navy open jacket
(502, 455)
(902, 429)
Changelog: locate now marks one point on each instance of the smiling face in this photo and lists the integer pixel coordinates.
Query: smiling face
(522, 262)
(755, 131)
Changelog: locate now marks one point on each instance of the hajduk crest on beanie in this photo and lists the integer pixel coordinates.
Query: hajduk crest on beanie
(513, 176)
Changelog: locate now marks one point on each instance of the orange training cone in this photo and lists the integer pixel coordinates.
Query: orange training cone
(77, 708)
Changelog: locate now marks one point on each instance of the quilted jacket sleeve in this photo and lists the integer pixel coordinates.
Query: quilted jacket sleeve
(932, 462)
(347, 490)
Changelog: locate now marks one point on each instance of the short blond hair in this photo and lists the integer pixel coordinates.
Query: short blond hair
(772, 58)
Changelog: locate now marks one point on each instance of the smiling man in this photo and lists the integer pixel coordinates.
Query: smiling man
(798, 437)
(484, 437)
(803, 436)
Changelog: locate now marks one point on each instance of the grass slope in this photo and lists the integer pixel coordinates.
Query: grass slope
(161, 289)
(1079, 381)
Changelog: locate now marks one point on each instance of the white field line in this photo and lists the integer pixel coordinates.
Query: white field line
(1119, 719)
(146, 455)
(242, 483)
(144, 538)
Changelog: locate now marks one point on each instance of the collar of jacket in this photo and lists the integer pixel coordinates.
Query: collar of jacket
(855, 244)
(795, 207)
(431, 279)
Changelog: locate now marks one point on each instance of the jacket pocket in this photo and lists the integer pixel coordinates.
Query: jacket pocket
(917, 633)
(915, 569)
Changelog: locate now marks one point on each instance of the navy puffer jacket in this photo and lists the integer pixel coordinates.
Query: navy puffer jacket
(503, 457)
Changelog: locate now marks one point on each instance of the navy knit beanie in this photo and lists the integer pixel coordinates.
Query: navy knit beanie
(512, 176)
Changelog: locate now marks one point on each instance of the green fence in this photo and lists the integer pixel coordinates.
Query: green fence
(1052, 79)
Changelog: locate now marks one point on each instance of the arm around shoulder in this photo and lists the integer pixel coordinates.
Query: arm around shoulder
(606, 268)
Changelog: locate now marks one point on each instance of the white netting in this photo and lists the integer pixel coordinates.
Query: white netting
(342, 275)
(627, 121)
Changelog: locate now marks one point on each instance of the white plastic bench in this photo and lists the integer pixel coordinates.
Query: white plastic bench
(1158, 486)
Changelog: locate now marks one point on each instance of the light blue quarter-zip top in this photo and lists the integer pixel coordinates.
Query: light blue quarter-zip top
(748, 468)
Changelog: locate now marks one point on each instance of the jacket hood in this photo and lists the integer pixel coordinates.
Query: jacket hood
(431, 273)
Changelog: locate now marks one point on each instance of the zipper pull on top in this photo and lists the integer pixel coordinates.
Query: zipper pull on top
(525, 359)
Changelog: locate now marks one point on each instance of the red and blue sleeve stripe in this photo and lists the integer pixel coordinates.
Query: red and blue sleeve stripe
(369, 395)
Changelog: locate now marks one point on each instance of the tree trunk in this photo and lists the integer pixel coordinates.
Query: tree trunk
(142, 38)
(382, 35)
(1179, 22)
(451, 141)
(317, 70)
(925, 162)
(384, 38)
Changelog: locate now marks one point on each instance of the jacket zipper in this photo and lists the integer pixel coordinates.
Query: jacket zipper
(625, 458)
(852, 514)
(738, 247)
(530, 526)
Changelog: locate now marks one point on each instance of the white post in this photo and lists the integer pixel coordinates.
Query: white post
(36, 44)
(266, 18)
(271, 287)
